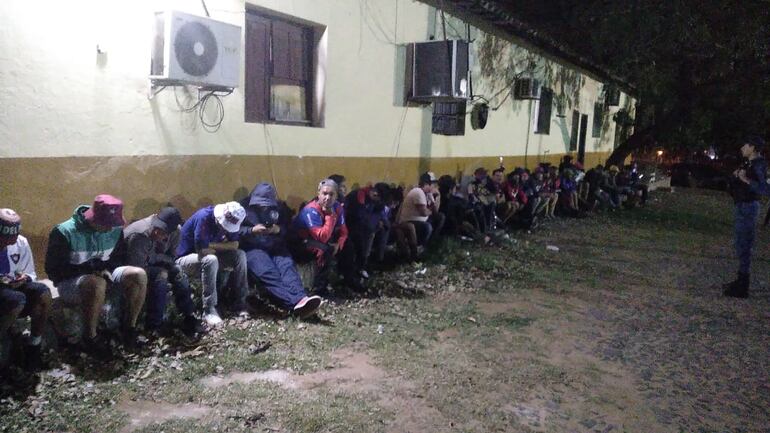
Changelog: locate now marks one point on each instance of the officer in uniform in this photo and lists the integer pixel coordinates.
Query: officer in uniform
(746, 185)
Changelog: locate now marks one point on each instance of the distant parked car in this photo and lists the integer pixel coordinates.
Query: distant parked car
(694, 175)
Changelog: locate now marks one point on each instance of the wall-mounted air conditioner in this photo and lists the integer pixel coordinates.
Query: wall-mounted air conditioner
(612, 96)
(526, 88)
(189, 49)
(437, 71)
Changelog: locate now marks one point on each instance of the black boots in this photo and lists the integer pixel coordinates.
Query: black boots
(738, 288)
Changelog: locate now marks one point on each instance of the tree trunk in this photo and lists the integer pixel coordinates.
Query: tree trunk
(636, 141)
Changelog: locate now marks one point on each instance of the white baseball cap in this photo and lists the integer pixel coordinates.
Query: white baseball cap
(230, 215)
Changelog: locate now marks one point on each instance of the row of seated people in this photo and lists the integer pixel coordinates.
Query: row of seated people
(94, 254)
(226, 246)
(522, 198)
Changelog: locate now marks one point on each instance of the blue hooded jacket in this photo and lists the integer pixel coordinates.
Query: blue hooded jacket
(262, 208)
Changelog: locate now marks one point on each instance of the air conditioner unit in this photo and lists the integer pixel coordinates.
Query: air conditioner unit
(612, 96)
(526, 88)
(189, 49)
(437, 71)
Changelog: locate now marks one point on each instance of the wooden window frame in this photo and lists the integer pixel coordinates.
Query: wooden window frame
(260, 68)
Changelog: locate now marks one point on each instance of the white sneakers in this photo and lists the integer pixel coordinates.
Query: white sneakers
(212, 318)
(307, 306)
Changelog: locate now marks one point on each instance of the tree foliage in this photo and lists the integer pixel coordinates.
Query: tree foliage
(700, 67)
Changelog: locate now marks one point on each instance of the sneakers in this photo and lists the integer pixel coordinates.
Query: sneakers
(307, 306)
(212, 318)
(132, 341)
(33, 357)
(738, 288)
(96, 348)
(364, 274)
(192, 327)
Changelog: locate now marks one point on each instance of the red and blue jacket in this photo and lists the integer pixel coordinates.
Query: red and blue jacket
(313, 222)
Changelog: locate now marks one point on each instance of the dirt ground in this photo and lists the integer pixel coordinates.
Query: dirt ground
(623, 329)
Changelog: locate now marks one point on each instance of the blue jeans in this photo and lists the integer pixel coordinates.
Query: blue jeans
(158, 282)
(745, 222)
(279, 275)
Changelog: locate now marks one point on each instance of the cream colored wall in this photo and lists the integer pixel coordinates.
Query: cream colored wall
(60, 98)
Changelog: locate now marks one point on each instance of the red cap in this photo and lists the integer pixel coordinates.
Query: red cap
(107, 211)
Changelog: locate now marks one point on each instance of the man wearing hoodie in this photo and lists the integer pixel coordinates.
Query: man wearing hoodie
(152, 243)
(263, 238)
(85, 258)
(208, 244)
(367, 217)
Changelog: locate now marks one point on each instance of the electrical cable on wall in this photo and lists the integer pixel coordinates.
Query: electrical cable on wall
(202, 103)
(269, 148)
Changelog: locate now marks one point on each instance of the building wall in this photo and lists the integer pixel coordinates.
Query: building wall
(75, 122)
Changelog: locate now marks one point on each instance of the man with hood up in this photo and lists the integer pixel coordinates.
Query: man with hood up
(263, 237)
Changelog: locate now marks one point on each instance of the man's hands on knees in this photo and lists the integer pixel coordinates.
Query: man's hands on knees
(107, 275)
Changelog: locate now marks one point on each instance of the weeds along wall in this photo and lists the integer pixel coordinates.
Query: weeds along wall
(77, 121)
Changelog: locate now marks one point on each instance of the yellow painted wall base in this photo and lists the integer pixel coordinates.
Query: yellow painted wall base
(44, 191)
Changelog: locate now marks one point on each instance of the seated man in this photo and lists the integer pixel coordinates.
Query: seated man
(267, 255)
(532, 189)
(152, 244)
(597, 197)
(628, 182)
(504, 209)
(86, 257)
(366, 216)
(420, 204)
(20, 295)
(569, 194)
(482, 197)
(320, 231)
(453, 205)
(514, 194)
(209, 243)
(547, 191)
(638, 184)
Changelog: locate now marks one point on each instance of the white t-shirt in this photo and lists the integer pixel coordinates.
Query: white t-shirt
(17, 258)
(409, 211)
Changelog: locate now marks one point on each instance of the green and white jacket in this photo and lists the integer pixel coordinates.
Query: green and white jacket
(74, 248)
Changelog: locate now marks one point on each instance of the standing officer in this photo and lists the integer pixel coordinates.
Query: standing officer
(746, 185)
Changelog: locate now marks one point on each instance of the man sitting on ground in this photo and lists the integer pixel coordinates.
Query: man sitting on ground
(419, 204)
(209, 243)
(482, 197)
(366, 215)
(532, 190)
(86, 258)
(152, 244)
(504, 209)
(321, 232)
(263, 237)
(569, 193)
(514, 194)
(20, 294)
